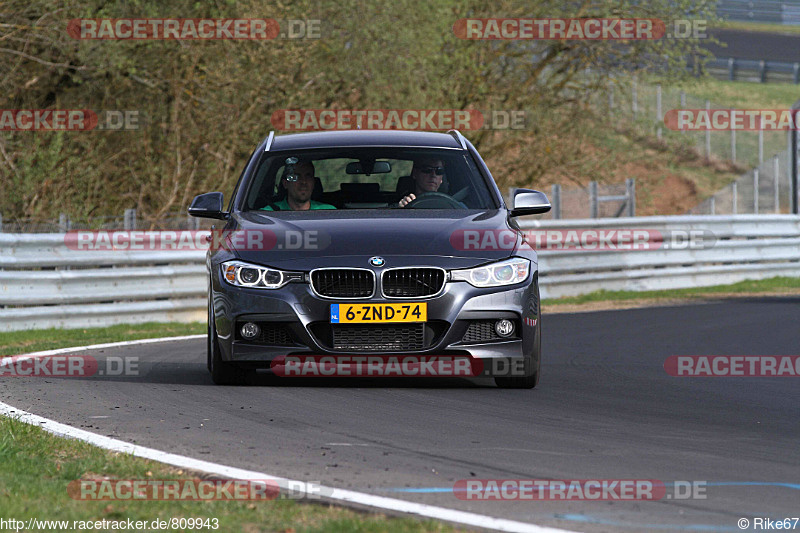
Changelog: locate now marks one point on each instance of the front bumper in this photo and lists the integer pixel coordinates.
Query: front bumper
(298, 322)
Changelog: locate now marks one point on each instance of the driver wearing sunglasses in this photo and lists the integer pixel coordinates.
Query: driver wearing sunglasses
(427, 175)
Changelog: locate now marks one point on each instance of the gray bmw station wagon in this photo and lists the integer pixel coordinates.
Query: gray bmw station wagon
(366, 242)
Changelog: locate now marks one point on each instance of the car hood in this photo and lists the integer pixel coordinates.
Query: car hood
(304, 241)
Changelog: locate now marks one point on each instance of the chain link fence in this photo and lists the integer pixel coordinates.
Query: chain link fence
(764, 190)
(644, 107)
(128, 221)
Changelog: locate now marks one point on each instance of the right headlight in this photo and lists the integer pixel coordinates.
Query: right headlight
(508, 272)
(243, 274)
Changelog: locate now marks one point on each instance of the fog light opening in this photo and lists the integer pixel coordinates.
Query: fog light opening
(250, 331)
(504, 327)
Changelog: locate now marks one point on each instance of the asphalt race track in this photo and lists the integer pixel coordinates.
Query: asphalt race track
(605, 409)
(755, 45)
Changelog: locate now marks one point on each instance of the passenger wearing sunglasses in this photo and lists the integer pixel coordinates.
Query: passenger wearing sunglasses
(427, 175)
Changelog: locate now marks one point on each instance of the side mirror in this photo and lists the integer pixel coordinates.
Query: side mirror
(529, 202)
(208, 205)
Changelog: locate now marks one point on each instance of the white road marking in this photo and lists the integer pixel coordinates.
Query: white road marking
(112, 345)
(227, 472)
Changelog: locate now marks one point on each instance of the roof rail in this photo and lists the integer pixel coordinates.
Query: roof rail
(269, 139)
(459, 138)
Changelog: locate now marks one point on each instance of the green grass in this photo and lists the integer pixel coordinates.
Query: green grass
(742, 94)
(758, 26)
(19, 342)
(777, 284)
(36, 468)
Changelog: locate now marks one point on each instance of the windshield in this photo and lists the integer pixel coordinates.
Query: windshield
(368, 178)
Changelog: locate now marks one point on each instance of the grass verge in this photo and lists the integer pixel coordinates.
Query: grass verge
(772, 286)
(759, 26)
(19, 342)
(36, 468)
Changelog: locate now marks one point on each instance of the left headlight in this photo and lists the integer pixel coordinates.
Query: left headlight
(241, 274)
(508, 272)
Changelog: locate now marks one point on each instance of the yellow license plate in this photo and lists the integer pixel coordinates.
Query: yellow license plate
(368, 313)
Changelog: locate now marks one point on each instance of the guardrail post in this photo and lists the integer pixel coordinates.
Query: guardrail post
(511, 192)
(659, 116)
(555, 201)
(129, 220)
(796, 72)
(64, 224)
(630, 192)
(592, 199)
(708, 134)
(733, 145)
(712, 205)
(761, 141)
(1, 222)
(731, 69)
(683, 104)
(776, 183)
(735, 197)
(610, 98)
(762, 71)
(755, 191)
(794, 179)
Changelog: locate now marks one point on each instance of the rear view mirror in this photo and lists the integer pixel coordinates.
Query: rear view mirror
(208, 205)
(368, 167)
(529, 202)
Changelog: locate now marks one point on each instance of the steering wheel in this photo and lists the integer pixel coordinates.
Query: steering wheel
(434, 200)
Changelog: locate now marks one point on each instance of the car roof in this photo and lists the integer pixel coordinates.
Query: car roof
(365, 138)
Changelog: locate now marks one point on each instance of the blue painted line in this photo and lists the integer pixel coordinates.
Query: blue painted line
(684, 527)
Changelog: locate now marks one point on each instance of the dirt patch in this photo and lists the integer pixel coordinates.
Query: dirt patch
(673, 194)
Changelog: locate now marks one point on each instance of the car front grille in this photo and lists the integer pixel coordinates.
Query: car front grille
(389, 337)
(343, 283)
(412, 282)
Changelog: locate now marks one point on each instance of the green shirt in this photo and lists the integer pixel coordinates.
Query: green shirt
(283, 205)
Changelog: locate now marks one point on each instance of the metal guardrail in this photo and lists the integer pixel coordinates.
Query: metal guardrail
(744, 247)
(762, 71)
(44, 283)
(771, 11)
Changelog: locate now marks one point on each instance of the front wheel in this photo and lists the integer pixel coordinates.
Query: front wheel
(222, 373)
(532, 371)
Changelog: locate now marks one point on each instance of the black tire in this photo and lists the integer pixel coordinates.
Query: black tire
(531, 375)
(222, 373)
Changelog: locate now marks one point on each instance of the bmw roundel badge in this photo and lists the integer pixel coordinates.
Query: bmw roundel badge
(377, 261)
